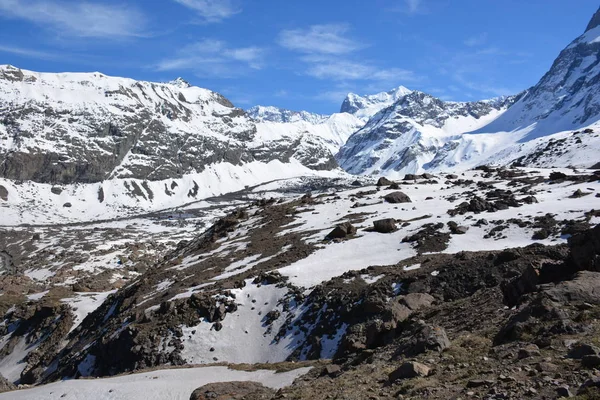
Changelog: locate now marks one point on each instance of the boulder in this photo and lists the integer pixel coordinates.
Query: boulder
(580, 350)
(410, 369)
(232, 391)
(531, 350)
(341, 231)
(585, 250)
(410, 177)
(451, 176)
(417, 301)
(585, 288)
(385, 225)
(591, 361)
(397, 197)
(383, 181)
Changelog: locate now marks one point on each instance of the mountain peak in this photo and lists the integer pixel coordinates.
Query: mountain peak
(366, 106)
(594, 22)
(180, 83)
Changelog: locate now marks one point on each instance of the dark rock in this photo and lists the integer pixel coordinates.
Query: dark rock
(451, 176)
(385, 225)
(383, 181)
(232, 391)
(417, 301)
(341, 231)
(410, 177)
(394, 186)
(476, 383)
(356, 183)
(332, 370)
(577, 194)
(56, 190)
(410, 369)
(556, 176)
(591, 361)
(584, 288)
(581, 350)
(563, 391)
(67, 205)
(3, 193)
(528, 351)
(397, 197)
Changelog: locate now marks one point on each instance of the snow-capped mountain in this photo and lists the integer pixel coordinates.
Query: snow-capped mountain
(421, 133)
(364, 107)
(567, 96)
(407, 135)
(275, 114)
(302, 129)
(87, 145)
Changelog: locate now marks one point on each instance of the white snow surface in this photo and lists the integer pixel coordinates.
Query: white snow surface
(168, 384)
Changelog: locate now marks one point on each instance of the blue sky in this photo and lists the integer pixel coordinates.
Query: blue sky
(299, 54)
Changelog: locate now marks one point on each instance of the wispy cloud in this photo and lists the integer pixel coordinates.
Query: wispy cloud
(342, 70)
(214, 58)
(212, 10)
(413, 6)
(25, 52)
(319, 39)
(476, 40)
(82, 19)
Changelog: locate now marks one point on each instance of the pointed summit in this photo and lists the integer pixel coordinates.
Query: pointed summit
(594, 22)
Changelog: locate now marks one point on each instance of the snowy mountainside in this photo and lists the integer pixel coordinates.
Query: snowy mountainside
(407, 135)
(566, 97)
(275, 114)
(88, 127)
(420, 133)
(366, 106)
(301, 129)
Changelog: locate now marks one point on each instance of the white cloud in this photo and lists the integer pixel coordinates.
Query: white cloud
(24, 52)
(319, 39)
(342, 70)
(413, 6)
(212, 10)
(476, 40)
(83, 19)
(210, 57)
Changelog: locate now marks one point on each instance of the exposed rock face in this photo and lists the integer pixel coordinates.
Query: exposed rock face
(397, 130)
(105, 127)
(5, 385)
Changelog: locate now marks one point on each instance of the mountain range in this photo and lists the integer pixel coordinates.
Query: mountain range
(166, 144)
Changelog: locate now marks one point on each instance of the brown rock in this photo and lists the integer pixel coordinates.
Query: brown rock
(410, 369)
(397, 197)
(341, 231)
(232, 391)
(385, 225)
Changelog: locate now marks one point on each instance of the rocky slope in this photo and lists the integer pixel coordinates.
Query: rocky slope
(275, 273)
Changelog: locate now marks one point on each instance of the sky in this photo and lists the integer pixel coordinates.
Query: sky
(299, 54)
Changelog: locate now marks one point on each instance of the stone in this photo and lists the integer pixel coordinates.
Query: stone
(528, 351)
(341, 231)
(417, 301)
(475, 383)
(410, 177)
(232, 391)
(563, 391)
(410, 369)
(581, 350)
(56, 190)
(3, 193)
(385, 225)
(451, 176)
(333, 370)
(397, 197)
(383, 181)
(585, 288)
(591, 361)
(67, 205)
